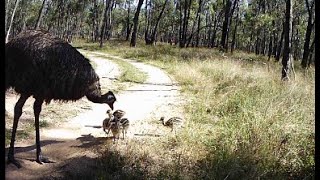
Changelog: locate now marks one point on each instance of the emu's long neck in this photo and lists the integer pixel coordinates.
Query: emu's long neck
(94, 93)
(96, 98)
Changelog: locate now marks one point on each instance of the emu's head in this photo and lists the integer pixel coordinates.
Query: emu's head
(109, 98)
(94, 95)
(109, 112)
(161, 119)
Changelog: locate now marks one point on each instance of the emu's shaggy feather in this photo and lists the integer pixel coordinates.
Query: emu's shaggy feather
(44, 66)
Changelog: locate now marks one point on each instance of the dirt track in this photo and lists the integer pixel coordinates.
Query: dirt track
(70, 143)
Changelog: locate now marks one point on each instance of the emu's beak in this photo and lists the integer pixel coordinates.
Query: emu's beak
(111, 105)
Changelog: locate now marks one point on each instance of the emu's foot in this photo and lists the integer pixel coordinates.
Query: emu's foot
(12, 160)
(41, 160)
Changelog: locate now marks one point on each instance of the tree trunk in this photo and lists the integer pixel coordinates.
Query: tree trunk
(6, 16)
(193, 25)
(180, 21)
(235, 32)
(135, 25)
(153, 36)
(286, 59)
(148, 22)
(128, 29)
(199, 20)
(279, 50)
(40, 15)
(11, 21)
(109, 27)
(94, 20)
(225, 26)
(185, 22)
(270, 48)
(306, 49)
(228, 12)
(100, 25)
(274, 48)
(311, 54)
(263, 43)
(104, 23)
(213, 38)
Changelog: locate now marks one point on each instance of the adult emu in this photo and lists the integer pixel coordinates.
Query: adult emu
(43, 66)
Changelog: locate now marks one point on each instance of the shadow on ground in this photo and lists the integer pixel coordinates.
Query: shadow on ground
(33, 147)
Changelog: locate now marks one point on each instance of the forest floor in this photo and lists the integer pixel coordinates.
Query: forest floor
(72, 135)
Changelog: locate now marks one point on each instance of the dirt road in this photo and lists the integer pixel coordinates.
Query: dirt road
(76, 137)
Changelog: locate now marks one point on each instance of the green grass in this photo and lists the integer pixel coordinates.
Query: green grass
(243, 122)
(44, 124)
(21, 134)
(128, 73)
(26, 132)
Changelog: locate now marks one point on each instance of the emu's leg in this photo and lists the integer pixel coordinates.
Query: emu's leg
(17, 114)
(109, 127)
(37, 109)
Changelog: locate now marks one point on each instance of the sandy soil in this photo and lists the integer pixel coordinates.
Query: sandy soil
(67, 138)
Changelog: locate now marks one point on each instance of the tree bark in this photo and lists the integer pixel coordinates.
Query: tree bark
(135, 25)
(311, 54)
(94, 20)
(40, 15)
(215, 23)
(128, 29)
(193, 26)
(279, 50)
(104, 23)
(185, 22)
(154, 32)
(286, 59)
(306, 49)
(226, 24)
(180, 21)
(235, 32)
(11, 21)
(199, 20)
(6, 16)
(148, 22)
(270, 48)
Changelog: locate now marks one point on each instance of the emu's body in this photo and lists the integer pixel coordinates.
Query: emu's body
(43, 66)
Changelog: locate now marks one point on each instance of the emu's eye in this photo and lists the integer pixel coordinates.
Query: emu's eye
(110, 97)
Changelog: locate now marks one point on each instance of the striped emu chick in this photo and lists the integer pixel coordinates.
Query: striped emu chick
(107, 122)
(118, 113)
(111, 123)
(171, 122)
(115, 129)
(124, 125)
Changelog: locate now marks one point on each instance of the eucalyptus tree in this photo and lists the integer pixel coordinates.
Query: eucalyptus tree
(306, 48)
(287, 56)
(11, 21)
(135, 24)
(153, 19)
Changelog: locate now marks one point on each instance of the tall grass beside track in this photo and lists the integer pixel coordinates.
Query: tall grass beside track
(243, 122)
